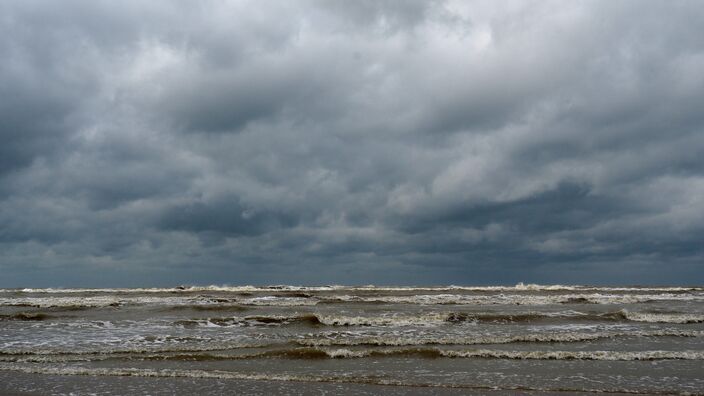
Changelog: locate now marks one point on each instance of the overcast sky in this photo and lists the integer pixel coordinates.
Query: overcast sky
(351, 142)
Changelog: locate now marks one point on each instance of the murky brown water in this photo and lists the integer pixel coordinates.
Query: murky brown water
(520, 338)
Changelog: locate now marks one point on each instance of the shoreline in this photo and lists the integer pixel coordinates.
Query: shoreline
(15, 383)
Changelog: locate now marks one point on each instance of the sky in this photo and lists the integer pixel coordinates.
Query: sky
(416, 142)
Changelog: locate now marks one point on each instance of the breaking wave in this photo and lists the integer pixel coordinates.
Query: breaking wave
(26, 316)
(418, 352)
(484, 339)
(250, 321)
(342, 353)
(436, 319)
(577, 355)
(514, 299)
(147, 344)
(299, 298)
(662, 317)
(195, 344)
(318, 352)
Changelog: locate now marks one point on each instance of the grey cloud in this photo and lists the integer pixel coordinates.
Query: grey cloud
(351, 142)
(225, 216)
(385, 17)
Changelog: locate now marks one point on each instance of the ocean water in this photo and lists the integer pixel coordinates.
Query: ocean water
(527, 338)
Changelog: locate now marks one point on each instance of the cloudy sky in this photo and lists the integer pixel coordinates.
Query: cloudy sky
(316, 142)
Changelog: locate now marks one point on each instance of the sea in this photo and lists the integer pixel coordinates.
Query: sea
(520, 339)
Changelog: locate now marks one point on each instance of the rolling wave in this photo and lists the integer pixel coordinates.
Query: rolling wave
(437, 319)
(27, 316)
(357, 353)
(195, 344)
(292, 299)
(662, 317)
(484, 339)
(512, 299)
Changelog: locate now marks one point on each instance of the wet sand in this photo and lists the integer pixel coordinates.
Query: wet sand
(23, 384)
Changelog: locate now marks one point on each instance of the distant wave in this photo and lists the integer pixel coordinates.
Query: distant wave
(200, 302)
(193, 302)
(179, 289)
(514, 299)
(254, 289)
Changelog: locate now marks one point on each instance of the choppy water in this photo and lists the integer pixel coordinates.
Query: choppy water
(528, 337)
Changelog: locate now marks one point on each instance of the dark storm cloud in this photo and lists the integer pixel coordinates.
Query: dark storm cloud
(227, 217)
(366, 141)
(33, 115)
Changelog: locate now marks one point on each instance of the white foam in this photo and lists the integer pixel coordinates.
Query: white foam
(212, 288)
(514, 355)
(346, 353)
(516, 299)
(279, 301)
(483, 339)
(102, 301)
(124, 372)
(434, 319)
(137, 345)
(663, 317)
(423, 299)
(577, 355)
